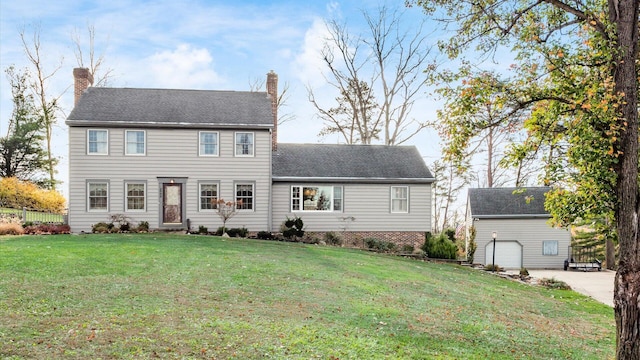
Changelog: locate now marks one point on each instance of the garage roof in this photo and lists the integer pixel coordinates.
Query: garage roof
(508, 202)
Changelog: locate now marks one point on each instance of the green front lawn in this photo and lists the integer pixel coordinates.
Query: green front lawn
(147, 296)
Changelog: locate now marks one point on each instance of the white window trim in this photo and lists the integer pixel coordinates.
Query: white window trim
(126, 196)
(253, 194)
(126, 147)
(88, 190)
(235, 143)
(217, 152)
(391, 198)
(97, 153)
(217, 184)
(331, 209)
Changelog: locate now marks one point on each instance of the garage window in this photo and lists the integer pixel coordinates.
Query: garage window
(550, 248)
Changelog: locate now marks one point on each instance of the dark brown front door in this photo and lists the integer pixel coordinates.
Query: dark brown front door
(172, 204)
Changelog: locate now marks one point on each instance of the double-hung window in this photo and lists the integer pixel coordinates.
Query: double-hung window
(316, 198)
(208, 143)
(97, 142)
(98, 196)
(399, 199)
(244, 196)
(135, 142)
(135, 196)
(208, 196)
(244, 144)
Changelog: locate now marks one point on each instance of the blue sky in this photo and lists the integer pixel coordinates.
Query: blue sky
(217, 45)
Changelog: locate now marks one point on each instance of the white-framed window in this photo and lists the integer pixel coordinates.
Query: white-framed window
(550, 247)
(208, 195)
(97, 142)
(244, 144)
(316, 198)
(135, 196)
(135, 142)
(399, 199)
(244, 196)
(208, 143)
(98, 195)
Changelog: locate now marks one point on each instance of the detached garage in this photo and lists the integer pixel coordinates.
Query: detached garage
(519, 221)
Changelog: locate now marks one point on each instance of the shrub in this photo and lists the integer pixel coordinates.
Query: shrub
(264, 235)
(203, 230)
(52, 229)
(406, 248)
(451, 234)
(102, 228)
(11, 229)
(472, 246)
(238, 232)
(332, 238)
(143, 226)
(553, 283)
(293, 228)
(493, 267)
(440, 247)
(524, 272)
(17, 194)
(221, 230)
(379, 245)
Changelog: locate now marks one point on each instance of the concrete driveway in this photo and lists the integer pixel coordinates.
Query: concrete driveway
(595, 284)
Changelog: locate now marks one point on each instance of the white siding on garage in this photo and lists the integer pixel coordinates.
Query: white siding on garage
(369, 204)
(169, 153)
(528, 232)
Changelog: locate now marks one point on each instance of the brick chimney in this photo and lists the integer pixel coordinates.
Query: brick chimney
(272, 90)
(82, 80)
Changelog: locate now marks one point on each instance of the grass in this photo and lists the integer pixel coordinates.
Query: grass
(146, 296)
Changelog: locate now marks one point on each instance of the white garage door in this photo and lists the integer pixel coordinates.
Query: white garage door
(508, 254)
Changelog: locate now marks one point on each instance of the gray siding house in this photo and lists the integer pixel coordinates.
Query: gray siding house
(162, 155)
(524, 237)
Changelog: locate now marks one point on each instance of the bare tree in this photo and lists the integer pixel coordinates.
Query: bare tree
(451, 180)
(389, 60)
(46, 104)
(256, 85)
(95, 63)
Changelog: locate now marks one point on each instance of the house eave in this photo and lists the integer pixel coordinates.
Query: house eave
(512, 216)
(164, 125)
(368, 180)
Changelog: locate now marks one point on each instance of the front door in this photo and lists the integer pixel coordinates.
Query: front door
(172, 203)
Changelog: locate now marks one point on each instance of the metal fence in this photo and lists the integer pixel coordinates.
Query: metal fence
(38, 217)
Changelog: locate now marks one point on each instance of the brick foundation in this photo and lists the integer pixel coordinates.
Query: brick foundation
(356, 238)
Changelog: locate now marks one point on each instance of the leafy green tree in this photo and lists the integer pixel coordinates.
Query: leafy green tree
(21, 152)
(576, 73)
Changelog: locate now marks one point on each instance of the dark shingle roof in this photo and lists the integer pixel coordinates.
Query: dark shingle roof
(171, 107)
(503, 202)
(373, 163)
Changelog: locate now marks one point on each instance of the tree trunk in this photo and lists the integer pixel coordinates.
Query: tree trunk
(610, 254)
(627, 282)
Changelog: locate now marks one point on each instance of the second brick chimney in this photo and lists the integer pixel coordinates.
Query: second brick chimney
(272, 90)
(82, 80)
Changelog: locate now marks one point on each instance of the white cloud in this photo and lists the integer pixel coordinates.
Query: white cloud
(308, 64)
(186, 67)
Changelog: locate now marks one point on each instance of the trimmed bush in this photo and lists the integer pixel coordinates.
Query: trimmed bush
(203, 230)
(292, 228)
(440, 247)
(379, 245)
(332, 238)
(264, 235)
(237, 232)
